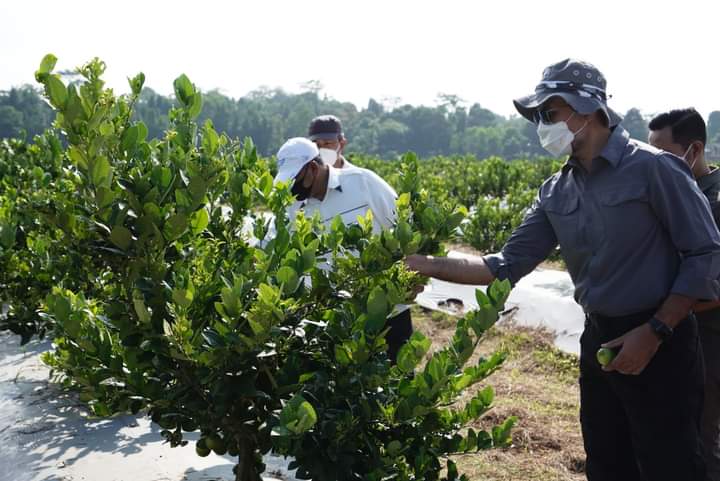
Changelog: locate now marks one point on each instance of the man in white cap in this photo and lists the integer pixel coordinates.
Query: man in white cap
(346, 193)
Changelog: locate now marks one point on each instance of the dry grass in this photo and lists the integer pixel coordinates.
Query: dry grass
(538, 384)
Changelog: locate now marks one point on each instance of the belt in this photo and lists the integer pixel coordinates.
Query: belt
(595, 317)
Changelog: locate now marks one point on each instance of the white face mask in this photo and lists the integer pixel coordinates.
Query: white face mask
(684, 157)
(329, 156)
(557, 138)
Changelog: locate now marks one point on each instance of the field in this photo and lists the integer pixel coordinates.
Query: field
(132, 254)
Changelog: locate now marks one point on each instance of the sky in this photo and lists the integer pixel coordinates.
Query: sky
(656, 55)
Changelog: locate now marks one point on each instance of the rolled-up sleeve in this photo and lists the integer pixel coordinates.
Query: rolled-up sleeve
(685, 213)
(530, 244)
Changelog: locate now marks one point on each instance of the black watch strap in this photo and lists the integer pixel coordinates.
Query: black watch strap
(661, 330)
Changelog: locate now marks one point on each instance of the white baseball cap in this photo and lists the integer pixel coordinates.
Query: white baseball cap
(293, 156)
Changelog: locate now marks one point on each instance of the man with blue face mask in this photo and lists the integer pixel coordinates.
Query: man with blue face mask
(682, 132)
(641, 247)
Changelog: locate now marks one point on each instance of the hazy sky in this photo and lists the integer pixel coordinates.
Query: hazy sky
(655, 55)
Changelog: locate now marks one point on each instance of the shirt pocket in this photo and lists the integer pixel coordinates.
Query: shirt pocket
(625, 212)
(564, 215)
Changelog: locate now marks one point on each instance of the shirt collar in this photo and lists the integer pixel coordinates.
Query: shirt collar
(613, 151)
(615, 148)
(334, 179)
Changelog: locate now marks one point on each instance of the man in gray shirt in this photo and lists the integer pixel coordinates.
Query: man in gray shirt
(641, 246)
(682, 132)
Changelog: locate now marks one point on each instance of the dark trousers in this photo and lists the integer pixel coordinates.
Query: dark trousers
(400, 331)
(709, 329)
(645, 427)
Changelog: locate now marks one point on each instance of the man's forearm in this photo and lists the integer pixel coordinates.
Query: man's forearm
(460, 270)
(706, 306)
(675, 309)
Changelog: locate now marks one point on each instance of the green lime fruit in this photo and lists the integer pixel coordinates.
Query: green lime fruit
(605, 356)
(201, 451)
(189, 425)
(169, 422)
(215, 442)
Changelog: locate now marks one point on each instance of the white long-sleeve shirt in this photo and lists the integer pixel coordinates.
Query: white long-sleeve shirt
(351, 192)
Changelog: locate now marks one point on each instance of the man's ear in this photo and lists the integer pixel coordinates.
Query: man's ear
(697, 147)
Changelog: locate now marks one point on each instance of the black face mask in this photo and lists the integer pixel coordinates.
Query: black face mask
(300, 191)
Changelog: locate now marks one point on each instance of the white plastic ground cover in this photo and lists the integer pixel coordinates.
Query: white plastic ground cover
(46, 436)
(542, 298)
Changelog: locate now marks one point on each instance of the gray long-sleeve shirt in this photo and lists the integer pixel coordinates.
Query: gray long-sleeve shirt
(631, 232)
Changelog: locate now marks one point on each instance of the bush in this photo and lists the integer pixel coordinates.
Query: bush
(158, 299)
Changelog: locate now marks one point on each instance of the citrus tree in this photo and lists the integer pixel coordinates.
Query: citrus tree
(180, 303)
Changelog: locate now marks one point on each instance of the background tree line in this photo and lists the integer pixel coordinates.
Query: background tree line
(270, 116)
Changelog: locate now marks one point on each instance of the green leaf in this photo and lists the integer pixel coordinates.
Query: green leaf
(60, 307)
(7, 235)
(100, 171)
(341, 355)
(100, 409)
(136, 83)
(133, 135)
(498, 293)
(184, 89)
(197, 188)
(175, 226)
(210, 140)
(47, 64)
(184, 297)
(298, 415)
(377, 309)
(412, 352)
(56, 92)
(142, 131)
(289, 279)
(107, 128)
(195, 105)
(182, 197)
(199, 221)
(482, 298)
(121, 237)
(403, 233)
(501, 434)
(268, 295)
(77, 157)
(141, 309)
(104, 197)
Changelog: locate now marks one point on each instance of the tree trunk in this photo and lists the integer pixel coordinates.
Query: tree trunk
(247, 469)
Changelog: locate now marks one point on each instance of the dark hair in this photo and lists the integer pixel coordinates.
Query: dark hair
(325, 127)
(686, 126)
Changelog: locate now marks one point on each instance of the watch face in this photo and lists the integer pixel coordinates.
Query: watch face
(663, 331)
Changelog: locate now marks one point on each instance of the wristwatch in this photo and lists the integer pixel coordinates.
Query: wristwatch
(661, 330)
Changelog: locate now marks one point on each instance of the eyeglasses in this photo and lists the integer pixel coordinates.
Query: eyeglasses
(545, 116)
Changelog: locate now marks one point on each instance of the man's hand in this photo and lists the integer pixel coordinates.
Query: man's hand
(416, 290)
(638, 348)
(417, 263)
